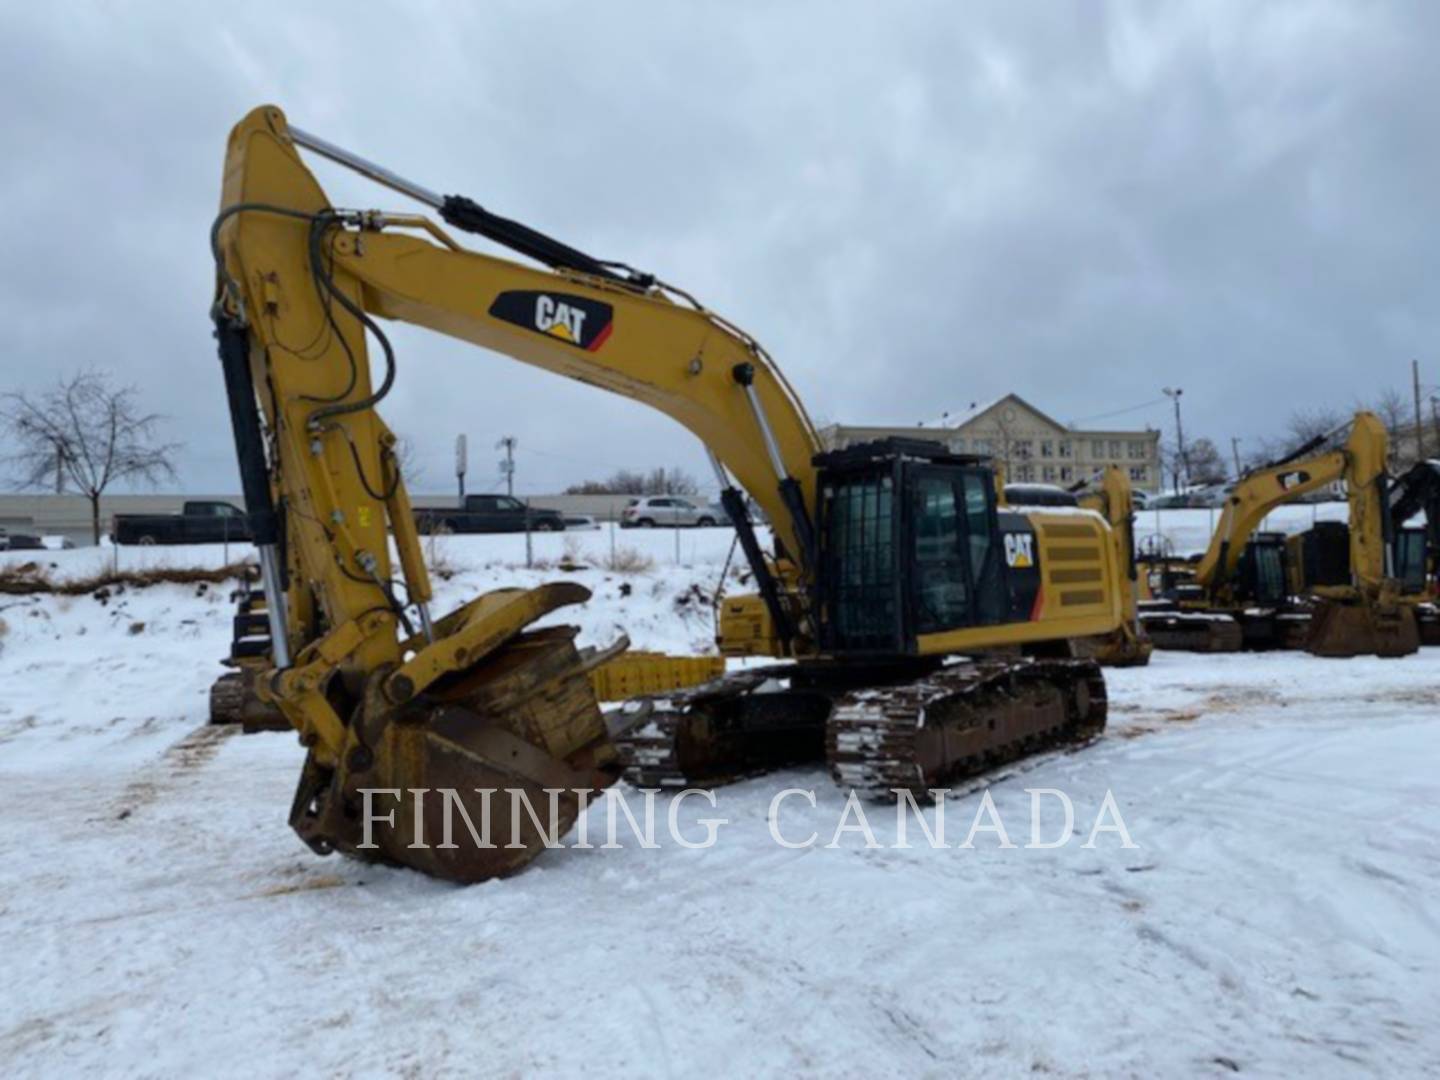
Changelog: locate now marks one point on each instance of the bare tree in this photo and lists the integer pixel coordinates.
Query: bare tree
(659, 481)
(622, 482)
(1173, 463)
(1005, 447)
(407, 456)
(1307, 424)
(663, 481)
(1393, 409)
(87, 431)
(1302, 427)
(1206, 464)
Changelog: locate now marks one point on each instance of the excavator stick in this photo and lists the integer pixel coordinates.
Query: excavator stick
(1343, 628)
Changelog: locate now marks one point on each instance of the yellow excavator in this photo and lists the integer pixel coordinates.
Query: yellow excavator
(889, 560)
(1238, 595)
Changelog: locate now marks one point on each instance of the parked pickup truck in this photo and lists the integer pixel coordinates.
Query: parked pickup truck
(488, 514)
(197, 523)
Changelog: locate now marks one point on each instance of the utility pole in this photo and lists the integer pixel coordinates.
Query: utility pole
(1419, 429)
(1174, 395)
(508, 465)
(462, 462)
(1235, 452)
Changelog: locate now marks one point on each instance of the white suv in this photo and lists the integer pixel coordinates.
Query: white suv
(655, 510)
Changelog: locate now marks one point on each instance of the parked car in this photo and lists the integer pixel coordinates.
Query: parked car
(1039, 495)
(20, 541)
(1173, 500)
(656, 510)
(1141, 499)
(199, 522)
(1210, 496)
(489, 514)
(752, 510)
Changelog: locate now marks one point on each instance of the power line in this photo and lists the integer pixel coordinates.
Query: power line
(1119, 412)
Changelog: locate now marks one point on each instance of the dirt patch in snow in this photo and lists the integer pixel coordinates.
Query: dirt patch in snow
(29, 578)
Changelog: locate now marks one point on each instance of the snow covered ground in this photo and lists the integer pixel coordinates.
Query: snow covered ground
(157, 916)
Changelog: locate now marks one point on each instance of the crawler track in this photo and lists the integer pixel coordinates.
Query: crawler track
(955, 722)
(963, 720)
(720, 732)
(1185, 632)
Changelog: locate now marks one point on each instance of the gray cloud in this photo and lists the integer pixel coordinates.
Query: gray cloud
(914, 206)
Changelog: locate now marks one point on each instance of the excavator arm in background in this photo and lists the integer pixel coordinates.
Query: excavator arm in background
(1360, 463)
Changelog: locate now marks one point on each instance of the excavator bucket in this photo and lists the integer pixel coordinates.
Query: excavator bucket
(1342, 628)
(468, 767)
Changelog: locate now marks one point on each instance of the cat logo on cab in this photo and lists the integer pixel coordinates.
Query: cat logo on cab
(575, 320)
(1020, 550)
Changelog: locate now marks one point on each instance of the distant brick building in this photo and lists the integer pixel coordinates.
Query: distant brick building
(1030, 445)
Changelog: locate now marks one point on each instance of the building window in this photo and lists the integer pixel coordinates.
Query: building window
(957, 446)
(1048, 472)
(982, 446)
(1047, 448)
(1115, 449)
(1137, 450)
(1097, 448)
(1024, 448)
(1139, 473)
(1064, 447)
(1024, 474)
(1067, 474)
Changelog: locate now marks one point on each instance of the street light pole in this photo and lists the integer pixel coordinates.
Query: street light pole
(508, 465)
(1174, 395)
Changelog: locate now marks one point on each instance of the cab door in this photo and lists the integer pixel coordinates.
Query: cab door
(957, 573)
(940, 576)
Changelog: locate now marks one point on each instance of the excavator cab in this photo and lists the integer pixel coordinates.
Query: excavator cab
(910, 543)
(1411, 553)
(1260, 576)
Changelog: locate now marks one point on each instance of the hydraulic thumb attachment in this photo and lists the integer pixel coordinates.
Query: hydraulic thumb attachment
(467, 761)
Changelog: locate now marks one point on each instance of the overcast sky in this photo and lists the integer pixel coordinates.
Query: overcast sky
(913, 206)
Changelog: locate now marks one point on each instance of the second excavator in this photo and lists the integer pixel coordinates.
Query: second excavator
(890, 563)
(1238, 596)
